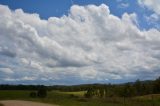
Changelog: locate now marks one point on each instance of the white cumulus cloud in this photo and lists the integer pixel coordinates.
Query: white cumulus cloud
(88, 45)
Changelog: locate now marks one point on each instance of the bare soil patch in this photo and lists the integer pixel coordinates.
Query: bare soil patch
(23, 103)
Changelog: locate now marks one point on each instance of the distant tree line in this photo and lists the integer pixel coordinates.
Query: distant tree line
(137, 88)
(130, 89)
(20, 87)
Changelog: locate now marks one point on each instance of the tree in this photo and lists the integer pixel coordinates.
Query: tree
(138, 87)
(42, 92)
(128, 90)
(101, 92)
(106, 92)
(90, 93)
(156, 86)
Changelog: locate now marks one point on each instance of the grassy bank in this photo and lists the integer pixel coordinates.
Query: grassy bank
(77, 99)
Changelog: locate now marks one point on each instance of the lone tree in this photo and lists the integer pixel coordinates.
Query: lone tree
(42, 92)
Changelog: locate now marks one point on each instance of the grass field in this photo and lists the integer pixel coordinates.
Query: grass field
(79, 93)
(77, 99)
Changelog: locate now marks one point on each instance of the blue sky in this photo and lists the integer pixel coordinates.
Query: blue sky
(58, 8)
(79, 41)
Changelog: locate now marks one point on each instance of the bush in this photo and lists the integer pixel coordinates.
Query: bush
(73, 96)
(42, 92)
(33, 94)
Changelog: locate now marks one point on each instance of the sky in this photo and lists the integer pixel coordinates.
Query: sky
(55, 42)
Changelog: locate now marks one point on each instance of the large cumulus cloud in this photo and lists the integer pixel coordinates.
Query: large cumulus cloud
(88, 45)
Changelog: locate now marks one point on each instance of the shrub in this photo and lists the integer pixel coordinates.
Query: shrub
(73, 96)
(42, 92)
(33, 94)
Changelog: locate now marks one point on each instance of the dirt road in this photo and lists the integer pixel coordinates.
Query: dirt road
(23, 103)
